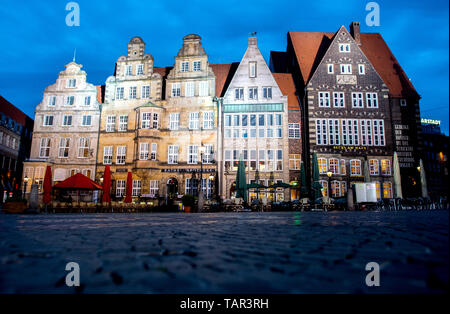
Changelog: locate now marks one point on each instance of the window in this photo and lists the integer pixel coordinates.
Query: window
(87, 120)
(346, 69)
(155, 120)
(378, 132)
(132, 94)
(208, 120)
(333, 129)
(154, 187)
(378, 188)
(336, 190)
(279, 160)
(123, 123)
(204, 88)
(324, 185)
(322, 162)
(366, 132)
(87, 100)
(197, 66)
(174, 121)
(321, 132)
(403, 102)
(342, 167)
(333, 165)
(252, 68)
(239, 93)
(324, 99)
(361, 69)
(357, 100)
(71, 83)
(208, 156)
(193, 120)
(294, 161)
(110, 123)
(129, 70)
(143, 151)
(386, 167)
(176, 90)
(192, 154)
(83, 147)
(267, 92)
(145, 91)
(339, 99)
(352, 131)
(120, 188)
(330, 68)
(184, 66)
(45, 147)
(253, 93)
(374, 168)
(121, 154)
(355, 167)
(189, 89)
(51, 100)
(344, 47)
(371, 100)
(153, 152)
(191, 187)
(262, 160)
(387, 189)
(48, 120)
(146, 120)
(67, 120)
(70, 100)
(173, 154)
(119, 92)
(136, 191)
(294, 130)
(64, 144)
(107, 155)
(228, 159)
(140, 69)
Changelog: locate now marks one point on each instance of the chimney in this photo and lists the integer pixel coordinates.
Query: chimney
(355, 32)
(252, 41)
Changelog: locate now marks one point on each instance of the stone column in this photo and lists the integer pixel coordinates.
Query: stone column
(34, 202)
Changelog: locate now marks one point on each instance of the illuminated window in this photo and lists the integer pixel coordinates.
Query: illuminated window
(387, 189)
(334, 165)
(342, 164)
(322, 162)
(378, 188)
(386, 167)
(324, 184)
(355, 167)
(294, 161)
(374, 167)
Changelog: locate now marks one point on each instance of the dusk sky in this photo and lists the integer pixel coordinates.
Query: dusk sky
(36, 43)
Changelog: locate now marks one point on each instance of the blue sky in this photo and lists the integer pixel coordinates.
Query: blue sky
(36, 43)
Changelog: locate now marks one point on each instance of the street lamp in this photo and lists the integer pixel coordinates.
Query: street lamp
(202, 150)
(329, 174)
(211, 179)
(25, 180)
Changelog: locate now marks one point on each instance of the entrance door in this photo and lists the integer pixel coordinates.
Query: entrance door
(172, 188)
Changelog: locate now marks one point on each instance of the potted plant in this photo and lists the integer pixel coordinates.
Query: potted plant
(15, 205)
(188, 201)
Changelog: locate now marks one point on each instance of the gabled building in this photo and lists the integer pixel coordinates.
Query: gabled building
(130, 129)
(346, 107)
(65, 134)
(255, 119)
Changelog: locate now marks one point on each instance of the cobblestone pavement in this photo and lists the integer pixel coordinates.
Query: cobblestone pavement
(288, 252)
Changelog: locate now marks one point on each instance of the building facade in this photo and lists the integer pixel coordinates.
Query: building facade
(255, 119)
(16, 131)
(66, 126)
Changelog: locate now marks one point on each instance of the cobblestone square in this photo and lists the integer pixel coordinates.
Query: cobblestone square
(283, 252)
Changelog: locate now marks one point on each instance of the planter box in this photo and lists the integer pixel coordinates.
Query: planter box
(14, 207)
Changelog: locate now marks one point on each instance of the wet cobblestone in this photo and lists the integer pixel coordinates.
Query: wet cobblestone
(226, 252)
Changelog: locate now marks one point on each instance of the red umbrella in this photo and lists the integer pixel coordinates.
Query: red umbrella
(106, 185)
(129, 188)
(48, 185)
(78, 182)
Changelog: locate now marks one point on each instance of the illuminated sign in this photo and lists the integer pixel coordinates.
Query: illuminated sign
(430, 121)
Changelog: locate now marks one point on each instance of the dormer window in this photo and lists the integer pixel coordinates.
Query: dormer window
(184, 66)
(346, 69)
(252, 69)
(197, 66)
(361, 69)
(330, 68)
(344, 47)
(71, 83)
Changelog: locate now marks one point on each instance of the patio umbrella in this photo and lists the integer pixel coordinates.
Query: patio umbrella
(423, 180)
(78, 182)
(316, 186)
(366, 171)
(106, 185)
(129, 188)
(397, 178)
(241, 182)
(47, 186)
(303, 187)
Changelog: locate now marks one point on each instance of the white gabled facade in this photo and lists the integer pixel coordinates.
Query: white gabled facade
(255, 124)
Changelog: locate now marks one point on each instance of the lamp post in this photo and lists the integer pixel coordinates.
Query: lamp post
(329, 174)
(211, 179)
(25, 180)
(202, 150)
